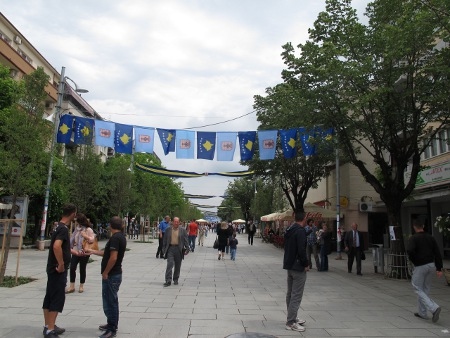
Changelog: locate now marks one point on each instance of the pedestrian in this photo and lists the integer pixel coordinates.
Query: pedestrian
(296, 264)
(233, 246)
(324, 238)
(424, 253)
(354, 247)
(251, 233)
(312, 247)
(201, 234)
(175, 247)
(83, 231)
(192, 234)
(162, 229)
(230, 231)
(57, 265)
(223, 238)
(111, 270)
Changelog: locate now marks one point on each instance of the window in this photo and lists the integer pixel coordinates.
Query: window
(438, 145)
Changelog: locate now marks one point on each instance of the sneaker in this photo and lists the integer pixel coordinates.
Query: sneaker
(436, 315)
(300, 321)
(175, 282)
(108, 334)
(418, 315)
(57, 330)
(295, 327)
(167, 284)
(51, 334)
(103, 327)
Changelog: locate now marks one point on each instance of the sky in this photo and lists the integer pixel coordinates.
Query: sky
(173, 64)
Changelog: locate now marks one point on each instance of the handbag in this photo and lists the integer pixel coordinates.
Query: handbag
(90, 246)
(216, 243)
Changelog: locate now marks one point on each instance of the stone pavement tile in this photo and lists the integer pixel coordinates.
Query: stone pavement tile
(214, 330)
(192, 316)
(234, 311)
(406, 332)
(323, 324)
(369, 325)
(354, 332)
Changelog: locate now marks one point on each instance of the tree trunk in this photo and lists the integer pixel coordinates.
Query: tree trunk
(397, 263)
(6, 252)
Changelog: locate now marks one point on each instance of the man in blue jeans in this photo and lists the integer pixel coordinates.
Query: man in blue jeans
(296, 264)
(111, 269)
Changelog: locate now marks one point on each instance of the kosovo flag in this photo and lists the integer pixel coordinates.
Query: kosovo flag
(326, 136)
(65, 129)
(206, 145)
(123, 139)
(246, 144)
(84, 129)
(104, 134)
(226, 145)
(288, 140)
(305, 137)
(167, 138)
(267, 140)
(185, 144)
(144, 140)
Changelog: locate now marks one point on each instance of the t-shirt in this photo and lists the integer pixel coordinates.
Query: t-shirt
(163, 226)
(118, 243)
(233, 243)
(193, 227)
(60, 233)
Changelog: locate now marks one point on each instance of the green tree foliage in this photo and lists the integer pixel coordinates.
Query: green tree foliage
(25, 136)
(383, 86)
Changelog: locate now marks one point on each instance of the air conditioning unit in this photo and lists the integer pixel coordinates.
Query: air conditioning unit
(18, 40)
(365, 206)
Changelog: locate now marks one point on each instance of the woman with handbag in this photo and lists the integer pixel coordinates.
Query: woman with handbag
(222, 236)
(82, 234)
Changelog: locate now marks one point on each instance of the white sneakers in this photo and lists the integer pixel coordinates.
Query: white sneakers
(300, 321)
(295, 327)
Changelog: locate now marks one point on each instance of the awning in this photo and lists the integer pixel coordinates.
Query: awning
(238, 221)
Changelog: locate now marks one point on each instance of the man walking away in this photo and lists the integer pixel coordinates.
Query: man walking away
(57, 265)
(424, 253)
(193, 232)
(296, 264)
(111, 269)
(162, 229)
(251, 233)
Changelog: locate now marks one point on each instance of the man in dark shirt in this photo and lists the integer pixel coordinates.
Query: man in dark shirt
(296, 264)
(424, 253)
(111, 269)
(57, 265)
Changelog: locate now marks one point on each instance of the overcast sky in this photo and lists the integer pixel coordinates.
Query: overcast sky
(172, 64)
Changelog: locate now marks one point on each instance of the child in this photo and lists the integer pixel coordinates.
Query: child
(233, 247)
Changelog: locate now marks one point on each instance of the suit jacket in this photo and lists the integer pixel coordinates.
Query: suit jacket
(183, 242)
(349, 240)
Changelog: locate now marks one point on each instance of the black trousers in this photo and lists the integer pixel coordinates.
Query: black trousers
(83, 260)
(352, 254)
(160, 246)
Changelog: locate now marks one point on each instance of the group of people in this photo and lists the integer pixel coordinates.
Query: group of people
(422, 250)
(67, 249)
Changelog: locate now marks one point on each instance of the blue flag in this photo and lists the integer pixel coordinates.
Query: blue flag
(288, 140)
(206, 145)
(65, 129)
(84, 130)
(226, 144)
(306, 136)
(144, 140)
(185, 143)
(267, 140)
(123, 138)
(246, 144)
(104, 133)
(167, 137)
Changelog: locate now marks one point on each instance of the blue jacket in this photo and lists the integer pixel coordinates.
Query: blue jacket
(295, 248)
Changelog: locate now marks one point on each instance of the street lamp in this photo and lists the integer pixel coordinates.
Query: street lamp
(56, 117)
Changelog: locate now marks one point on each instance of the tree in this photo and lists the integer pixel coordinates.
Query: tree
(383, 87)
(242, 192)
(25, 136)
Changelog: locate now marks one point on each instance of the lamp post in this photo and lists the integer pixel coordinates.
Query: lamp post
(56, 118)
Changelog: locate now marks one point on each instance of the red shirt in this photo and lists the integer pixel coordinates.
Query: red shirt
(193, 228)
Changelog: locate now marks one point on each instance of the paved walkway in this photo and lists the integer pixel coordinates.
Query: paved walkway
(220, 298)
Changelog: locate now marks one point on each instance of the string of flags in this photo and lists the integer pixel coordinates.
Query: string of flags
(189, 174)
(188, 144)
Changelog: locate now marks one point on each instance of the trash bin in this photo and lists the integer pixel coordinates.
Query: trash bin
(378, 257)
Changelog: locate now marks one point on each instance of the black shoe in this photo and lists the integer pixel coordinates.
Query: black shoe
(51, 334)
(57, 330)
(436, 315)
(219, 258)
(162, 257)
(103, 327)
(108, 334)
(167, 284)
(175, 282)
(419, 316)
(359, 274)
(157, 256)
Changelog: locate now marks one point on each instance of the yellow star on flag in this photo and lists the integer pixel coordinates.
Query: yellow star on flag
(85, 131)
(249, 145)
(125, 138)
(291, 142)
(208, 145)
(64, 129)
(169, 137)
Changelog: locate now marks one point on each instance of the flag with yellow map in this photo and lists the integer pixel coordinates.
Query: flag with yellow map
(206, 145)
(123, 139)
(65, 129)
(247, 144)
(288, 139)
(84, 129)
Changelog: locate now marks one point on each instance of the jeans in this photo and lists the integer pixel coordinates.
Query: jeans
(421, 282)
(295, 285)
(312, 249)
(110, 288)
(191, 239)
(233, 254)
(323, 258)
